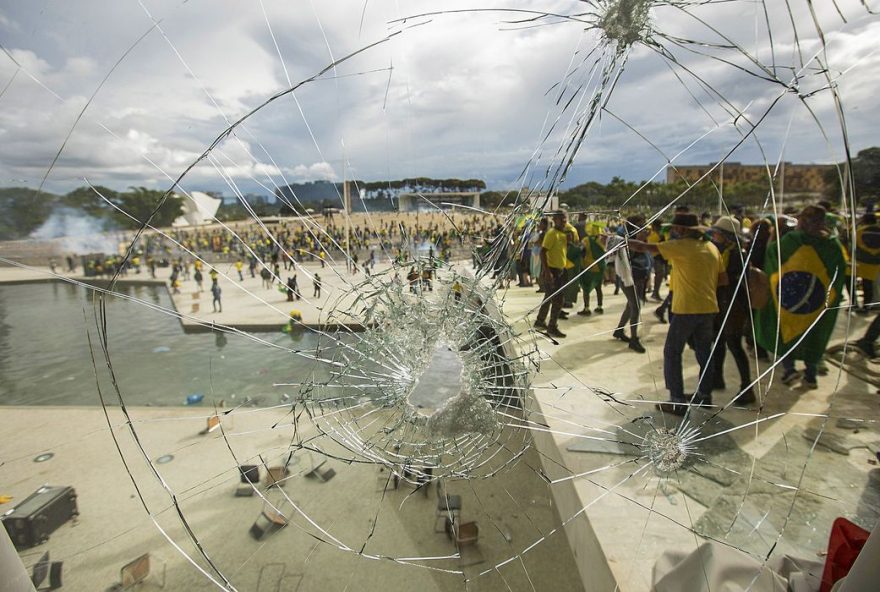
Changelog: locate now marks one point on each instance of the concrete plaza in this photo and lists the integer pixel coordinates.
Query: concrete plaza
(763, 475)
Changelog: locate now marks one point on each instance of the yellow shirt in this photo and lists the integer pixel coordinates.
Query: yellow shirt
(695, 268)
(555, 241)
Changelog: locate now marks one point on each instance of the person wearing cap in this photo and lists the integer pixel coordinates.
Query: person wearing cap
(696, 267)
(553, 264)
(733, 304)
(807, 269)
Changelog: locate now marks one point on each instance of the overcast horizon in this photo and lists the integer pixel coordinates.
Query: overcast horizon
(458, 95)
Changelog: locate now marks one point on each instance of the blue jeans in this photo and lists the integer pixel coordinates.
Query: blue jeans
(681, 328)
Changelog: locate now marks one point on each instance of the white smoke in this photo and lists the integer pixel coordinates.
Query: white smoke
(76, 232)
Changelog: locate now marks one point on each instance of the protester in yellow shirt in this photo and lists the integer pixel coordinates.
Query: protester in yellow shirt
(553, 265)
(696, 267)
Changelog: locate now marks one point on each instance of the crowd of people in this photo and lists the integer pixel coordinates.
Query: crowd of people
(772, 284)
(283, 242)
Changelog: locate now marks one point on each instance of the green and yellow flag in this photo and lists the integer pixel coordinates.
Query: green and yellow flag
(805, 288)
(868, 251)
(593, 263)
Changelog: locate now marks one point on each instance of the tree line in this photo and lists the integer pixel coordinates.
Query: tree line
(24, 210)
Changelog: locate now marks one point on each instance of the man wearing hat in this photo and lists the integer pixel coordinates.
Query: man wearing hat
(696, 267)
(733, 303)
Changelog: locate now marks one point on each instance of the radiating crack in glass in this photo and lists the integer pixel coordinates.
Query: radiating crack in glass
(376, 401)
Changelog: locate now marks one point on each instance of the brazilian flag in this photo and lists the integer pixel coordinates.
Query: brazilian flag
(868, 251)
(593, 264)
(807, 287)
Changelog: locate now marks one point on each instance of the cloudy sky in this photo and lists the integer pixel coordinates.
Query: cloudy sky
(143, 87)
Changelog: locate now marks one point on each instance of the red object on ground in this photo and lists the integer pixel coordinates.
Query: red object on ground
(844, 545)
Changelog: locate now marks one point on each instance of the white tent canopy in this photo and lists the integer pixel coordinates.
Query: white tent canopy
(200, 209)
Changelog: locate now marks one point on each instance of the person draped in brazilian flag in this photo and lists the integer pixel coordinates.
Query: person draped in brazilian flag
(868, 257)
(807, 270)
(594, 266)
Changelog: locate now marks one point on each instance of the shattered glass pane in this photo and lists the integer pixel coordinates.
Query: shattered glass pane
(365, 383)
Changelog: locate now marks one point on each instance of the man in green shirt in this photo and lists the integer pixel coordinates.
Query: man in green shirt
(553, 262)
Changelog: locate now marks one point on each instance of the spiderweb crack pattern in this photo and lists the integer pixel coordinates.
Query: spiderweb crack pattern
(711, 476)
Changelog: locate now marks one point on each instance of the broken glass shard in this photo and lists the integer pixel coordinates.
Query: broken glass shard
(440, 382)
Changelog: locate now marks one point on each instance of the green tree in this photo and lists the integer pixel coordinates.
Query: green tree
(23, 210)
(88, 200)
(140, 203)
(232, 211)
(866, 173)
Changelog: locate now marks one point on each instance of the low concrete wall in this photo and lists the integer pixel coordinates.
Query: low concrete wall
(591, 561)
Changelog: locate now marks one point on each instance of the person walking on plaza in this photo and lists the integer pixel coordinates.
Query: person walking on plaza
(593, 265)
(617, 246)
(696, 267)
(215, 293)
(537, 241)
(316, 282)
(197, 276)
(807, 270)
(238, 267)
(732, 319)
(553, 249)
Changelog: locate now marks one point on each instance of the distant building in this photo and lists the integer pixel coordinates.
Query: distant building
(799, 178)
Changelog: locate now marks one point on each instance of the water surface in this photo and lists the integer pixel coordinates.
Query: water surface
(45, 357)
